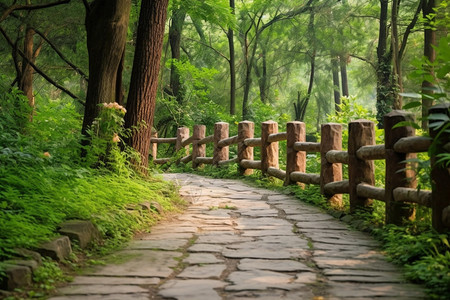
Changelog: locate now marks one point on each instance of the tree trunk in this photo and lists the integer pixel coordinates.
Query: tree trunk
(144, 76)
(396, 59)
(385, 95)
(430, 53)
(232, 62)
(178, 16)
(26, 78)
(344, 78)
(336, 89)
(106, 28)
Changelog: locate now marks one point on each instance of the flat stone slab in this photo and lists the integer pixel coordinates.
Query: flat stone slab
(167, 236)
(371, 291)
(202, 258)
(157, 244)
(212, 271)
(198, 289)
(260, 280)
(310, 217)
(140, 263)
(93, 289)
(222, 239)
(247, 264)
(335, 225)
(355, 264)
(109, 280)
(273, 295)
(141, 296)
(205, 248)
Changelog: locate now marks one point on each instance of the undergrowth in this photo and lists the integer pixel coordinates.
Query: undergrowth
(44, 181)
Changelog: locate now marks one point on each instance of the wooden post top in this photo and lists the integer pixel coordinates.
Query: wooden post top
(269, 122)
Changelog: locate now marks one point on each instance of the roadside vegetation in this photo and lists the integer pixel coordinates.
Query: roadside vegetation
(44, 181)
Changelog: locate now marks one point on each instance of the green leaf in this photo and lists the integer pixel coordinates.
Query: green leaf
(412, 104)
(439, 117)
(406, 123)
(411, 95)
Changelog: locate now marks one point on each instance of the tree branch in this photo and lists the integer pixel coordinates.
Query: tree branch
(409, 29)
(364, 60)
(53, 46)
(39, 71)
(15, 7)
(210, 47)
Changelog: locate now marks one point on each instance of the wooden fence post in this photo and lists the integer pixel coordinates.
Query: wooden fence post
(295, 160)
(440, 175)
(331, 139)
(246, 129)
(154, 146)
(269, 151)
(360, 133)
(220, 133)
(398, 174)
(198, 150)
(182, 133)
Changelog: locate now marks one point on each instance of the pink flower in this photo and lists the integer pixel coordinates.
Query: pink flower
(46, 154)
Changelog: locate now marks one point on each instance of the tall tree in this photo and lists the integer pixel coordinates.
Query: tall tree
(144, 76)
(175, 31)
(232, 63)
(430, 53)
(106, 27)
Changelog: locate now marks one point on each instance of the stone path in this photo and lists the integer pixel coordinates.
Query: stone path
(240, 242)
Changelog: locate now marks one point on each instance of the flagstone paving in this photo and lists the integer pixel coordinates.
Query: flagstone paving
(239, 242)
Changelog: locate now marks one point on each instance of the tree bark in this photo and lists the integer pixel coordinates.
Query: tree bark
(26, 76)
(144, 76)
(106, 28)
(385, 94)
(232, 63)
(344, 78)
(430, 53)
(175, 30)
(336, 89)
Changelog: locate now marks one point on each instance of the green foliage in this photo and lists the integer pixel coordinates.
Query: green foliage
(46, 276)
(106, 147)
(425, 255)
(43, 183)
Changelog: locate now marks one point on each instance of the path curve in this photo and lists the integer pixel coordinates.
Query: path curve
(239, 242)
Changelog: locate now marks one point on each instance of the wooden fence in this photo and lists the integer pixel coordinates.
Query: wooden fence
(400, 144)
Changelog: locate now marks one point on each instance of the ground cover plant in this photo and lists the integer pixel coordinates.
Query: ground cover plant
(44, 181)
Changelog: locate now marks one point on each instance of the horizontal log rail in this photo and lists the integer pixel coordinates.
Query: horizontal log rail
(369, 191)
(371, 152)
(337, 187)
(252, 142)
(161, 161)
(277, 137)
(187, 141)
(204, 160)
(335, 156)
(305, 178)
(251, 164)
(413, 144)
(186, 159)
(229, 141)
(164, 140)
(206, 140)
(277, 173)
(400, 146)
(229, 161)
(413, 195)
(307, 146)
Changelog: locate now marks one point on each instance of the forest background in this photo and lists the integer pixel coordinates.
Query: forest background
(65, 63)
